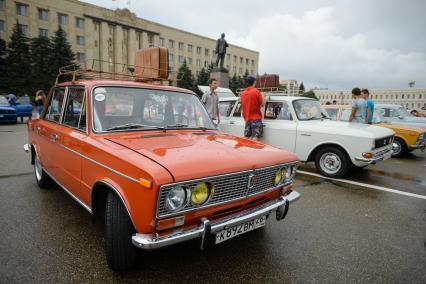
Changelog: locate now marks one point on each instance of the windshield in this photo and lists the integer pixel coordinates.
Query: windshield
(3, 101)
(309, 110)
(393, 111)
(124, 108)
(24, 100)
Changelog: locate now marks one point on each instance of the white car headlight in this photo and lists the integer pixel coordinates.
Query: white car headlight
(176, 199)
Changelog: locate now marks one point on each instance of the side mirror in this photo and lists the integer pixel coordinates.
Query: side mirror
(400, 117)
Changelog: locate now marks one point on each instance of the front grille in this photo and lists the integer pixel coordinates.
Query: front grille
(7, 111)
(227, 187)
(382, 142)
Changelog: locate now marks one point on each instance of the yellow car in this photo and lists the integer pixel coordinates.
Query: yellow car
(407, 138)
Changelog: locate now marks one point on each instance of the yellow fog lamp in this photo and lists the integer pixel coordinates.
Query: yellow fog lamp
(201, 193)
(280, 175)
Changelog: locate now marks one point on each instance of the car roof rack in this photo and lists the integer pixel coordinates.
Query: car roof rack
(276, 91)
(91, 70)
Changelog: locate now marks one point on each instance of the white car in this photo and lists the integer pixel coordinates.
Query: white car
(302, 126)
(396, 114)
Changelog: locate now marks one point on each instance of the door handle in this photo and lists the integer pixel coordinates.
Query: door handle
(54, 137)
(231, 122)
(37, 129)
(304, 134)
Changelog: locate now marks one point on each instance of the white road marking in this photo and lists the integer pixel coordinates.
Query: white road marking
(366, 185)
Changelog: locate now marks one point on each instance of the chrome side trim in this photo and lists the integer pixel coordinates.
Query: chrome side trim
(67, 191)
(101, 165)
(150, 241)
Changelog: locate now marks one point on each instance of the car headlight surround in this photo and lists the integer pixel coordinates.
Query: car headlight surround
(176, 199)
(201, 193)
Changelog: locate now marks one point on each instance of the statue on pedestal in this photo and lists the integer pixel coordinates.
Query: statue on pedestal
(220, 50)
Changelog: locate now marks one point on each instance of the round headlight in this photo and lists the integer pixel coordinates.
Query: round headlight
(201, 193)
(280, 175)
(175, 199)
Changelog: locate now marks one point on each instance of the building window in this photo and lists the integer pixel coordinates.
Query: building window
(241, 60)
(240, 70)
(171, 43)
(79, 23)
(206, 52)
(161, 43)
(81, 56)
(21, 9)
(234, 69)
(408, 96)
(198, 50)
(1, 25)
(190, 60)
(206, 63)
(190, 48)
(62, 19)
(80, 40)
(150, 39)
(180, 45)
(247, 61)
(235, 59)
(252, 62)
(198, 62)
(43, 32)
(139, 40)
(402, 96)
(396, 96)
(43, 14)
(2, 5)
(420, 96)
(228, 57)
(180, 59)
(23, 29)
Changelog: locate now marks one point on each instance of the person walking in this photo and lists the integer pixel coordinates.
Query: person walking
(251, 102)
(370, 106)
(359, 107)
(211, 101)
(40, 100)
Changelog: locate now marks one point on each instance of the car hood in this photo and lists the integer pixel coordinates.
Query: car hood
(6, 107)
(402, 128)
(191, 155)
(344, 128)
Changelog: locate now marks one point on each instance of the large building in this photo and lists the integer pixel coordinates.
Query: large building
(113, 36)
(292, 87)
(410, 98)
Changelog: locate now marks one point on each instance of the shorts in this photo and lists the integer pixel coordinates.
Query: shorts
(253, 128)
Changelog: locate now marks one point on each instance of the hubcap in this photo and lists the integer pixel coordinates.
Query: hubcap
(37, 167)
(330, 163)
(396, 147)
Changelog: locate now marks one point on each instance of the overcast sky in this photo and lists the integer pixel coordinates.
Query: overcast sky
(324, 43)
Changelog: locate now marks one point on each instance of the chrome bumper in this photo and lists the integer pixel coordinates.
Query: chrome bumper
(421, 146)
(206, 228)
(375, 159)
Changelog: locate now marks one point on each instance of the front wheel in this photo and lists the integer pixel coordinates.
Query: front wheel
(42, 178)
(399, 147)
(332, 162)
(120, 252)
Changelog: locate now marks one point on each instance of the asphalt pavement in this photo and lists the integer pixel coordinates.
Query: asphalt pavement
(335, 233)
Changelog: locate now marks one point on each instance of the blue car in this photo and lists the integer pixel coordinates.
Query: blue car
(23, 107)
(7, 113)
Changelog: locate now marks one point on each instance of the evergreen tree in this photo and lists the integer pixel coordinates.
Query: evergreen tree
(202, 80)
(62, 54)
(185, 79)
(17, 62)
(246, 74)
(3, 71)
(233, 84)
(301, 89)
(310, 94)
(43, 76)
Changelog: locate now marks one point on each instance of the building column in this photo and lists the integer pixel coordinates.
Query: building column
(103, 46)
(90, 37)
(118, 49)
(132, 47)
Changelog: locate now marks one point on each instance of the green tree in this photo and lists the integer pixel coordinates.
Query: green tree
(301, 89)
(18, 64)
(3, 70)
(246, 74)
(202, 80)
(62, 54)
(310, 94)
(43, 76)
(185, 79)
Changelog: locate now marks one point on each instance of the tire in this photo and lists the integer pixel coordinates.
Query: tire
(399, 147)
(332, 162)
(120, 252)
(42, 178)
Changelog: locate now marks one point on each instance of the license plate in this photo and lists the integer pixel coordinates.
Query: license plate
(240, 229)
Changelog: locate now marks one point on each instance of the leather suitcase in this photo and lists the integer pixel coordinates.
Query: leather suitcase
(152, 64)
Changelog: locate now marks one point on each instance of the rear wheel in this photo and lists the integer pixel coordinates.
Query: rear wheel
(120, 252)
(399, 147)
(42, 178)
(332, 162)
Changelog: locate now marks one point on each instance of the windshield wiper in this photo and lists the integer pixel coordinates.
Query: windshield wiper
(177, 125)
(313, 118)
(324, 116)
(130, 126)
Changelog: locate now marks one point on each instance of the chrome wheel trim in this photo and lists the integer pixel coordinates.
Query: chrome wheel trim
(330, 163)
(37, 168)
(396, 147)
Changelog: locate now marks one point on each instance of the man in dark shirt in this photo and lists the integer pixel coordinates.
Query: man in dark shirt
(251, 102)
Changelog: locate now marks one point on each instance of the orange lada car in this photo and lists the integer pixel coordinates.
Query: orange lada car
(148, 161)
(407, 138)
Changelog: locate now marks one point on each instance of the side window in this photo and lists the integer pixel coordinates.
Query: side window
(225, 108)
(238, 110)
(277, 110)
(345, 114)
(332, 112)
(54, 109)
(74, 108)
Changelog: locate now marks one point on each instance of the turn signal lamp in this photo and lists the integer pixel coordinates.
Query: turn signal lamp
(367, 155)
(145, 183)
(170, 223)
(201, 193)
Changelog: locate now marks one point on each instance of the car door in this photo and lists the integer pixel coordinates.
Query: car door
(70, 138)
(47, 129)
(279, 128)
(235, 123)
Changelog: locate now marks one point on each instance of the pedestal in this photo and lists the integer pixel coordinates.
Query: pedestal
(222, 77)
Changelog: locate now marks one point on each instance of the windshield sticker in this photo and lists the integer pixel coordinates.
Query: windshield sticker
(100, 91)
(100, 97)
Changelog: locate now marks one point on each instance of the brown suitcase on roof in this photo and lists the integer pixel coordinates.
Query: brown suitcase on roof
(152, 64)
